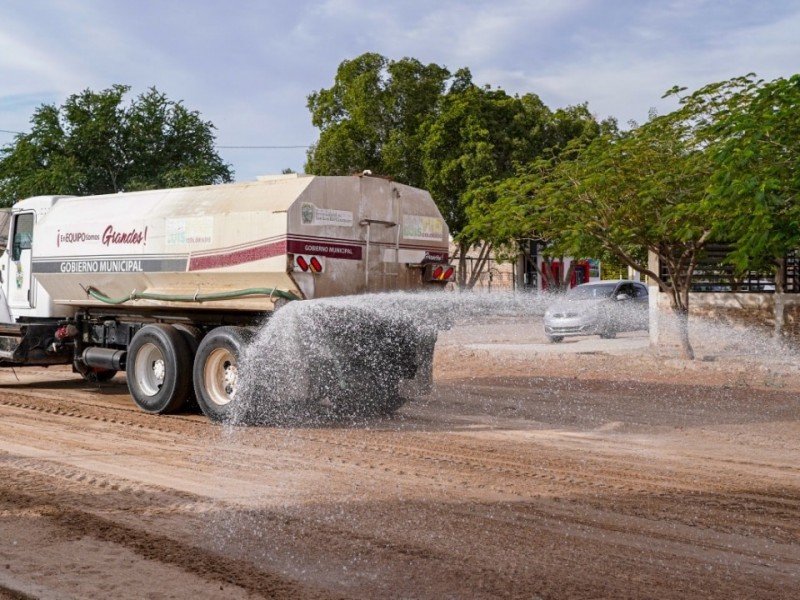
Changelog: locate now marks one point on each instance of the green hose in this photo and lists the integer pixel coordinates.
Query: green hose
(134, 295)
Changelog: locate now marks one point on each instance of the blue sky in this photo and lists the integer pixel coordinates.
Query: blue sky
(248, 65)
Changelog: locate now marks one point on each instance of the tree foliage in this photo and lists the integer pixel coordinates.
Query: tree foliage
(754, 140)
(514, 209)
(371, 117)
(751, 130)
(475, 142)
(503, 169)
(722, 167)
(94, 144)
(395, 118)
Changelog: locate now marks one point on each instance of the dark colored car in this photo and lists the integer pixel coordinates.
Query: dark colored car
(602, 308)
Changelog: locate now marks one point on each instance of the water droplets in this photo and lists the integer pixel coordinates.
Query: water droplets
(352, 357)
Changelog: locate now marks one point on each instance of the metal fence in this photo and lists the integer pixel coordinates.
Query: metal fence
(713, 275)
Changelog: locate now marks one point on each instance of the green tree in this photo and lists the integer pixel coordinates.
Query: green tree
(751, 131)
(759, 169)
(395, 118)
(370, 118)
(518, 212)
(475, 140)
(641, 189)
(94, 144)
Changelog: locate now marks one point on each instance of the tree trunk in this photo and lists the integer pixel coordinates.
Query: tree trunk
(461, 271)
(478, 268)
(566, 280)
(679, 301)
(779, 306)
(682, 318)
(546, 273)
(550, 281)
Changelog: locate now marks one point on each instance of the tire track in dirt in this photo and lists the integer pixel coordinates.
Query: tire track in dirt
(45, 503)
(429, 506)
(509, 473)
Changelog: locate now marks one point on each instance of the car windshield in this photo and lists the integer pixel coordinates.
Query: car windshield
(584, 292)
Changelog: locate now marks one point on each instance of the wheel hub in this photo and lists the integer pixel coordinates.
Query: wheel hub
(159, 371)
(230, 378)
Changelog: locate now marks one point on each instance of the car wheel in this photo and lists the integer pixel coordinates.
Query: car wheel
(555, 338)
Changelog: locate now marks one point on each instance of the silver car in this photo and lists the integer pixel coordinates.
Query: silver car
(603, 308)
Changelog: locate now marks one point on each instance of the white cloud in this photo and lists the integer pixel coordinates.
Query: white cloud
(625, 73)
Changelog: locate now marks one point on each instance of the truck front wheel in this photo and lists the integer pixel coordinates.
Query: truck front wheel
(216, 372)
(159, 369)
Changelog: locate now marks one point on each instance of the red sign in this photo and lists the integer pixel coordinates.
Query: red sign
(327, 249)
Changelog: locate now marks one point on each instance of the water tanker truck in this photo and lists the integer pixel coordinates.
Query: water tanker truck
(169, 285)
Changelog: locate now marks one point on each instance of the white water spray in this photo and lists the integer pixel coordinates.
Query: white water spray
(356, 356)
(349, 356)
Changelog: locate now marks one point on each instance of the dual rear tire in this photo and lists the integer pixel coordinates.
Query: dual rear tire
(170, 365)
(216, 373)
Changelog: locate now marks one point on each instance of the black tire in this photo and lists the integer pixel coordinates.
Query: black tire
(159, 369)
(193, 336)
(608, 335)
(556, 339)
(215, 373)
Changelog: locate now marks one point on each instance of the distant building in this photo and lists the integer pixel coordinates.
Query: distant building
(526, 272)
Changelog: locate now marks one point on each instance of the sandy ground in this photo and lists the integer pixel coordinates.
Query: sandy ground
(590, 469)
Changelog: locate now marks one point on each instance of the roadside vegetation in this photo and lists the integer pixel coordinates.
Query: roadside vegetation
(505, 170)
(95, 143)
(723, 167)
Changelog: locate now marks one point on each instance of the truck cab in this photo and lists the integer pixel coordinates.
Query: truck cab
(23, 296)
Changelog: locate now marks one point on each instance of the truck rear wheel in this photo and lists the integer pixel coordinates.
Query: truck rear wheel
(159, 369)
(193, 336)
(216, 373)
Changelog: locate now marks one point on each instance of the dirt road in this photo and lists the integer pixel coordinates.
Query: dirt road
(602, 473)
